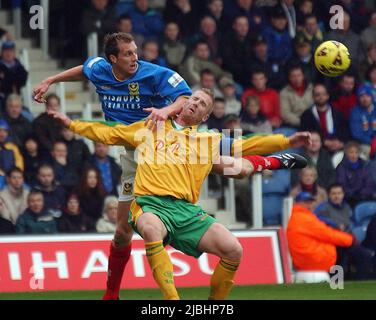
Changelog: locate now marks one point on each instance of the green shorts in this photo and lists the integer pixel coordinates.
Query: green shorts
(185, 222)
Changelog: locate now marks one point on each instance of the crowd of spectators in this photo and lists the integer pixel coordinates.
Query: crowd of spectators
(256, 56)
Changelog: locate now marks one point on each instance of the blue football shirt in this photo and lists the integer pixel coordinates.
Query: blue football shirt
(124, 101)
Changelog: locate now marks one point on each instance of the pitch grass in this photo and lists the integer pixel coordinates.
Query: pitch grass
(363, 290)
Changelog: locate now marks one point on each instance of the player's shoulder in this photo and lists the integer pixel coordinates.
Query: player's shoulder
(148, 68)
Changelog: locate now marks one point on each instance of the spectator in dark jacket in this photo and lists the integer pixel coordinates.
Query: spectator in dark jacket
(319, 157)
(20, 127)
(74, 220)
(370, 239)
(355, 176)
(184, 13)
(146, 21)
(277, 36)
(110, 171)
(32, 158)
(99, 17)
(36, 219)
(13, 75)
(254, 14)
(54, 194)
(336, 212)
(64, 173)
(321, 117)
(46, 129)
(260, 60)
(363, 117)
(78, 151)
(236, 53)
(91, 193)
(6, 227)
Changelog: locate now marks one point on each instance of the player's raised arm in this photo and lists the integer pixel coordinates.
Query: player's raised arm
(107, 133)
(267, 144)
(73, 74)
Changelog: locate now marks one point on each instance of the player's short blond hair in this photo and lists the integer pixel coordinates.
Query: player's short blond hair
(210, 93)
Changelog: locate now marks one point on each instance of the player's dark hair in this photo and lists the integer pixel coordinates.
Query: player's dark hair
(111, 43)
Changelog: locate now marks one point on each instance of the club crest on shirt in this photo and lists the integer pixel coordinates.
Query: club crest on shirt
(127, 188)
(134, 89)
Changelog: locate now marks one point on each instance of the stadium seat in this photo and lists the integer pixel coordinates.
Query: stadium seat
(285, 131)
(360, 232)
(274, 189)
(272, 209)
(311, 277)
(363, 213)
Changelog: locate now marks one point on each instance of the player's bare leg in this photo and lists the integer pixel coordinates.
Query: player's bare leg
(152, 229)
(120, 250)
(221, 242)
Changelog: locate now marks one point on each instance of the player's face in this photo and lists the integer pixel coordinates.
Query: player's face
(197, 109)
(126, 61)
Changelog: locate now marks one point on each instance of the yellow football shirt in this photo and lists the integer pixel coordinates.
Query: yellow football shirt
(172, 161)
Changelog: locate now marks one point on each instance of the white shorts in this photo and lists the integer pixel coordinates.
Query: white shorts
(129, 167)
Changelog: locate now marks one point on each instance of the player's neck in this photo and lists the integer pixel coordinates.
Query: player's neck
(120, 75)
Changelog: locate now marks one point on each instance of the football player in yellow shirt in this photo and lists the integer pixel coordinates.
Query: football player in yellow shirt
(173, 162)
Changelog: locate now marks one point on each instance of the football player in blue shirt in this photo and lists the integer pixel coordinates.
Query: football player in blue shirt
(129, 90)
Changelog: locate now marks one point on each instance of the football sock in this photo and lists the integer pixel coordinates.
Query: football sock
(261, 163)
(222, 279)
(162, 268)
(116, 263)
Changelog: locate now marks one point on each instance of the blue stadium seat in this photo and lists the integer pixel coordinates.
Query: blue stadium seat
(359, 232)
(272, 209)
(287, 131)
(363, 213)
(274, 189)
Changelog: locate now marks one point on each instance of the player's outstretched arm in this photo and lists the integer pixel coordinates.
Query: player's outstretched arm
(118, 134)
(73, 74)
(267, 144)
